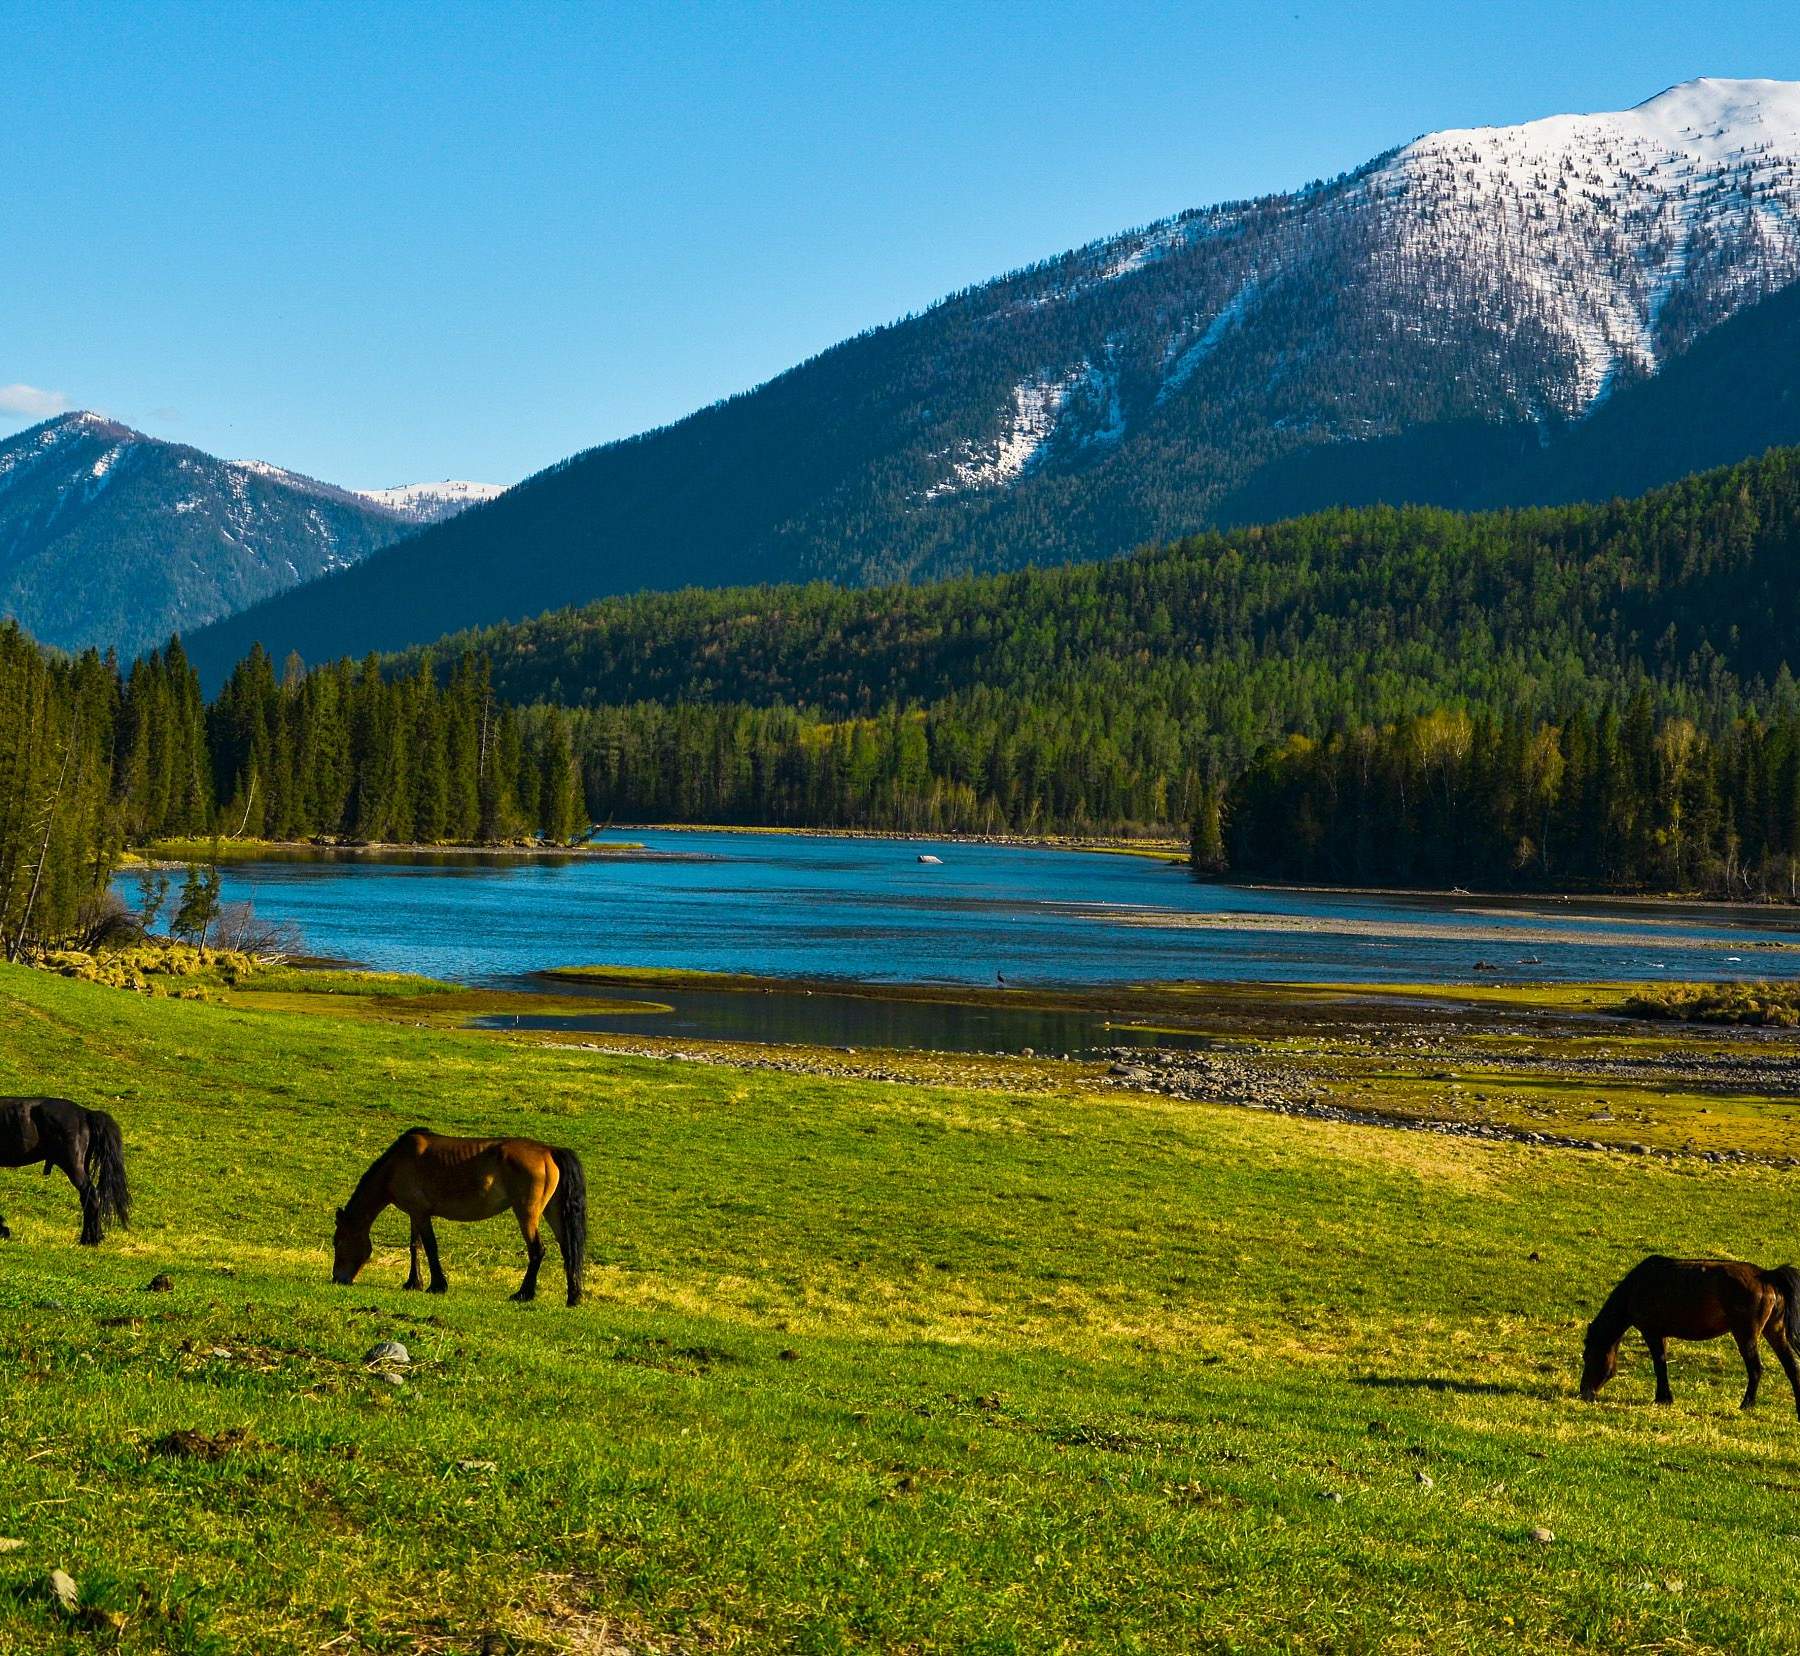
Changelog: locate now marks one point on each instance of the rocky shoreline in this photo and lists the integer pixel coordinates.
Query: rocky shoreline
(1290, 1088)
(1211, 1080)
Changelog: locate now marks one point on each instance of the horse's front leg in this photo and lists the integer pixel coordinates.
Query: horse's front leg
(1659, 1360)
(413, 1282)
(1753, 1365)
(440, 1284)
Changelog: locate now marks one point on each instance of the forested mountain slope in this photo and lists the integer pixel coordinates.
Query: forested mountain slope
(115, 539)
(1348, 613)
(1475, 317)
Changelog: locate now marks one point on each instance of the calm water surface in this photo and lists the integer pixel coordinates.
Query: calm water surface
(869, 910)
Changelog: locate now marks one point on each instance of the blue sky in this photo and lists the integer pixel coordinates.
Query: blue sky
(388, 242)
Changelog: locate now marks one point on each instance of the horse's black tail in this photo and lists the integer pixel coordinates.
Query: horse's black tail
(571, 1192)
(109, 1193)
(1785, 1280)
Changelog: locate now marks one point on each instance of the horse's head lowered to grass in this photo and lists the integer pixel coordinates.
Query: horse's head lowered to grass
(351, 1247)
(1599, 1359)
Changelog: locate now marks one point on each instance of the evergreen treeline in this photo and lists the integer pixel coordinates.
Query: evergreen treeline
(1626, 799)
(58, 830)
(343, 751)
(1331, 620)
(90, 762)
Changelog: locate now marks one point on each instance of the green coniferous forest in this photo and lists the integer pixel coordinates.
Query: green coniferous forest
(1591, 696)
(1587, 694)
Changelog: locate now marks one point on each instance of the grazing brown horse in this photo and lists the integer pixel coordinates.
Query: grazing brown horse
(1697, 1299)
(84, 1143)
(428, 1176)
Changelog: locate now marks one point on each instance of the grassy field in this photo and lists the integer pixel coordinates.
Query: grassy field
(863, 1366)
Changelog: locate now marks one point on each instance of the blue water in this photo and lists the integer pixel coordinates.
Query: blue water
(869, 910)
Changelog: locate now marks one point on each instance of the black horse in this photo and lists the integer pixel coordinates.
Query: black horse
(85, 1144)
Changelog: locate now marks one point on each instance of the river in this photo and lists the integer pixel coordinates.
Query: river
(870, 910)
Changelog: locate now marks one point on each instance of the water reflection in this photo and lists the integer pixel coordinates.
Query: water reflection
(794, 1018)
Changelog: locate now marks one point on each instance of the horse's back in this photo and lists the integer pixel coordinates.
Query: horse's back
(452, 1149)
(28, 1123)
(464, 1177)
(1693, 1299)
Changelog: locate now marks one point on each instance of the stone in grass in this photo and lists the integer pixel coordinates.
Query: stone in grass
(161, 1283)
(66, 1596)
(389, 1354)
(1543, 1537)
(10, 1543)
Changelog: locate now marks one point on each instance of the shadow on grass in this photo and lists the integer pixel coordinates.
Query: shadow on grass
(1438, 1383)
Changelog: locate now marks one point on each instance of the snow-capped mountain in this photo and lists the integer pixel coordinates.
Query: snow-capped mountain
(1620, 237)
(1445, 322)
(112, 538)
(432, 502)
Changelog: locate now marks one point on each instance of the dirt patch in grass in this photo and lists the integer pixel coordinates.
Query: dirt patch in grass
(187, 1444)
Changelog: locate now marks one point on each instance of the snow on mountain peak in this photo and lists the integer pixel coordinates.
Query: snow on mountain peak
(1755, 109)
(418, 503)
(1589, 225)
(1567, 255)
(432, 502)
(405, 494)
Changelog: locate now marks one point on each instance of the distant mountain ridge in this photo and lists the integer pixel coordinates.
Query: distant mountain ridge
(1442, 324)
(432, 502)
(112, 538)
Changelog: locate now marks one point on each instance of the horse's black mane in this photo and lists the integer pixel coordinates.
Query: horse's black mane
(1614, 1317)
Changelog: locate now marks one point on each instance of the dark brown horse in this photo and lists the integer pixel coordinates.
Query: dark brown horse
(84, 1143)
(428, 1176)
(1697, 1299)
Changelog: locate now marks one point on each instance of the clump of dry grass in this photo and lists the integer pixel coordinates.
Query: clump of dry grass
(1771, 1005)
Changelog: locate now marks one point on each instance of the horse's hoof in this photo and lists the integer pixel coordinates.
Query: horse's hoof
(523, 1298)
(438, 1288)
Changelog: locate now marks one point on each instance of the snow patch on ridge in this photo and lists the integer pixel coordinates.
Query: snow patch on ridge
(432, 502)
(406, 494)
(274, 474)
(1037, 403)
(1180, 361)
(1077, 410)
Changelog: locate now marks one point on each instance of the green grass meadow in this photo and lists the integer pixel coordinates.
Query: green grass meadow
(863, 1366)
